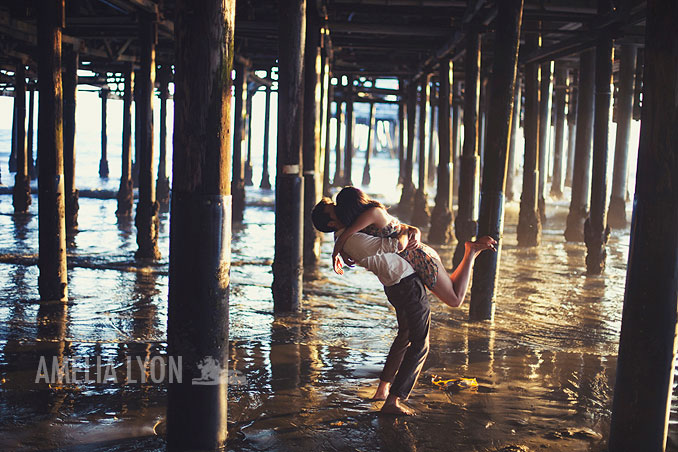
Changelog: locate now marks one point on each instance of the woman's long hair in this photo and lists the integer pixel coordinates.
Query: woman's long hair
(351, 202)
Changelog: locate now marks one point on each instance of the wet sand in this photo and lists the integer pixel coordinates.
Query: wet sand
(545, 366)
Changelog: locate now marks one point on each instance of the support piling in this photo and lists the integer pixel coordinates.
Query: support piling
(21, 193)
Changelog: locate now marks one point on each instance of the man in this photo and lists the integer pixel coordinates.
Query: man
(405, 291)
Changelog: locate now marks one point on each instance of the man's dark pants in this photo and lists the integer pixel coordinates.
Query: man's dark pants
(410, 347)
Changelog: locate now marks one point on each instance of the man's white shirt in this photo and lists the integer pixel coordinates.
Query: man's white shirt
(377, 255)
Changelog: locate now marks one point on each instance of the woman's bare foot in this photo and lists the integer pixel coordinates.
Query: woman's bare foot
(382, 391)
(393, 406)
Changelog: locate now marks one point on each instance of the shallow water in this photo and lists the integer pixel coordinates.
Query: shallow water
(545, 365)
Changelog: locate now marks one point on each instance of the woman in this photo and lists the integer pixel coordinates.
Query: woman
(362, 214)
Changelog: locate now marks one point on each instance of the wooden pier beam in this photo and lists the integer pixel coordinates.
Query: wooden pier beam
(287, 263)
(350, 128)
(545, 106)
(466, 225)
(402, 131)
(70, 88)
(421, 215)
(126, 190)
(499, 118)
(338, 149)
(239, 124)
(52, 282)
(21, 193)
(560, 90)
(407, 196)
(627, 68)
(147, 207)
(431, 169)
(596, 229)
(200, 224)
(529, 221)
(311, 137)
(442, 217)
(328, 94)
(265, 176)
(571, 125)
(457, 118)
(103, 163)
(370, 144)
(248, 124)
(647, 345)
(581, 173)
(32, 169)
(162, 184)
(511, 167)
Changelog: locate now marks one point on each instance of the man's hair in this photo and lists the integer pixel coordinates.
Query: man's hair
(320, 217)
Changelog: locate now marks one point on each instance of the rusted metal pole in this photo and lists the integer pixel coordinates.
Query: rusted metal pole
(499, 118)
(558, 151)
(32, 170)
(511, 168)
(147, 207)
(70, 88)
(162, 184)
(350, 126)
(370, 144)
(529, 222)
(240, 112)
(103, 163)
(466, 225)
(596, 229)
(647, 345)
(581, 173)
(407, 196)
(311, 138)
(21, 193)
(265, 176)
(248, 161)
(617, 215)
(545, 106)
(126, 190)
(52, 282)
(442, 217)
(287, 263)
(200, 229)
(421, 215)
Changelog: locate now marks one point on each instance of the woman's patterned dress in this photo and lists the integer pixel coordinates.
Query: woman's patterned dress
(422, 259)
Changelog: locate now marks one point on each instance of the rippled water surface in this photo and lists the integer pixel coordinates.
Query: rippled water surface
(545, 365)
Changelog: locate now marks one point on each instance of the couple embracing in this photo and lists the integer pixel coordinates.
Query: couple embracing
(365, 234)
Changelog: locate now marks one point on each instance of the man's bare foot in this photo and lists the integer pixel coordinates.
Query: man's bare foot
(382, 391)
(393, 406)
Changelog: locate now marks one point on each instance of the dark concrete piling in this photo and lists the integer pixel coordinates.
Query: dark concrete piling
(560, 90)
(545, 106)
(529, 221)
(407, 195)
(311, 138)
(647, 345)
(70, 88)
(240, 113)
(103, 162)
(200, 229)
(370, 144)
(500, 112)
(126, 190)
(581, 173)
(146, 219)
(265, 176)
(596, 230)
(32, 169)
(21, 193)
(617, 214)
(287, 263)
(162, 184)
(137, 115)
(52, 283)
(442, 217)
(421, 215)
(465, 225)
(13, 140)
